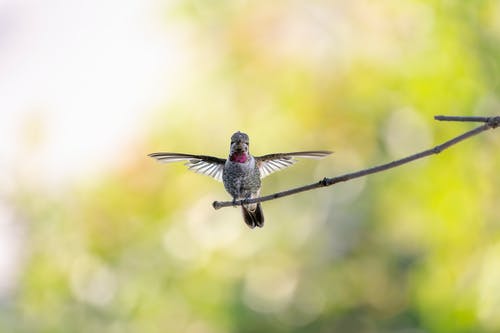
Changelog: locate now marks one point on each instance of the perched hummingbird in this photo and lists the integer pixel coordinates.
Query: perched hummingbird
(241, 173)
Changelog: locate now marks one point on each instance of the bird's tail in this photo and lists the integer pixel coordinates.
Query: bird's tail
(253, 217)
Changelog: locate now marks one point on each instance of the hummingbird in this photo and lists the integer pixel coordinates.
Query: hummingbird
(241, 172)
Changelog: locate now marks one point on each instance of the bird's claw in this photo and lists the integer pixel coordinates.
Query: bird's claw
(241, 201)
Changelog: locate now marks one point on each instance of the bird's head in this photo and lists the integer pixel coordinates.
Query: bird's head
(239, 147)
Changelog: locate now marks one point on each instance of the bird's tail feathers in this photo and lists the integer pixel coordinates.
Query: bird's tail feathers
(254, 217)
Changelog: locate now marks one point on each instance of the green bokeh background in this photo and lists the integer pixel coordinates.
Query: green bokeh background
(416, 249)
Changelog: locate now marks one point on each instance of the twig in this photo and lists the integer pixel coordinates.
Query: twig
(490, 123)
(470, 119)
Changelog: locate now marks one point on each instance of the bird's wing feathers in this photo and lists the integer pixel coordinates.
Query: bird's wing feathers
(214, 166)
(274, 162)
(206, 165)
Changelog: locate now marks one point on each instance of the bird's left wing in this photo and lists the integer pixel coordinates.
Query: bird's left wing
(274, 162)
(206, 165)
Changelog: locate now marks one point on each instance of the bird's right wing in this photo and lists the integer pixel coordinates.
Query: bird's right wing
(206, 165)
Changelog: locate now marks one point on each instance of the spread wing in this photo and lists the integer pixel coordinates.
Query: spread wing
(206, 165)
(274, 162)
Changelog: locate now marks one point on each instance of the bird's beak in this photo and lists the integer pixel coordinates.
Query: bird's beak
(240, 146)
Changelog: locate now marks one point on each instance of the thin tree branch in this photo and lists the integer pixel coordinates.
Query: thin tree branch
(470, 119)
(490, 123)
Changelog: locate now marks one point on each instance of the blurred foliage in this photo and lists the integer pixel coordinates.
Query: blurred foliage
(414, 249)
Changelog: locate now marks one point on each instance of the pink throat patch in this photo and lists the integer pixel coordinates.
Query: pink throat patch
(239, 158)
